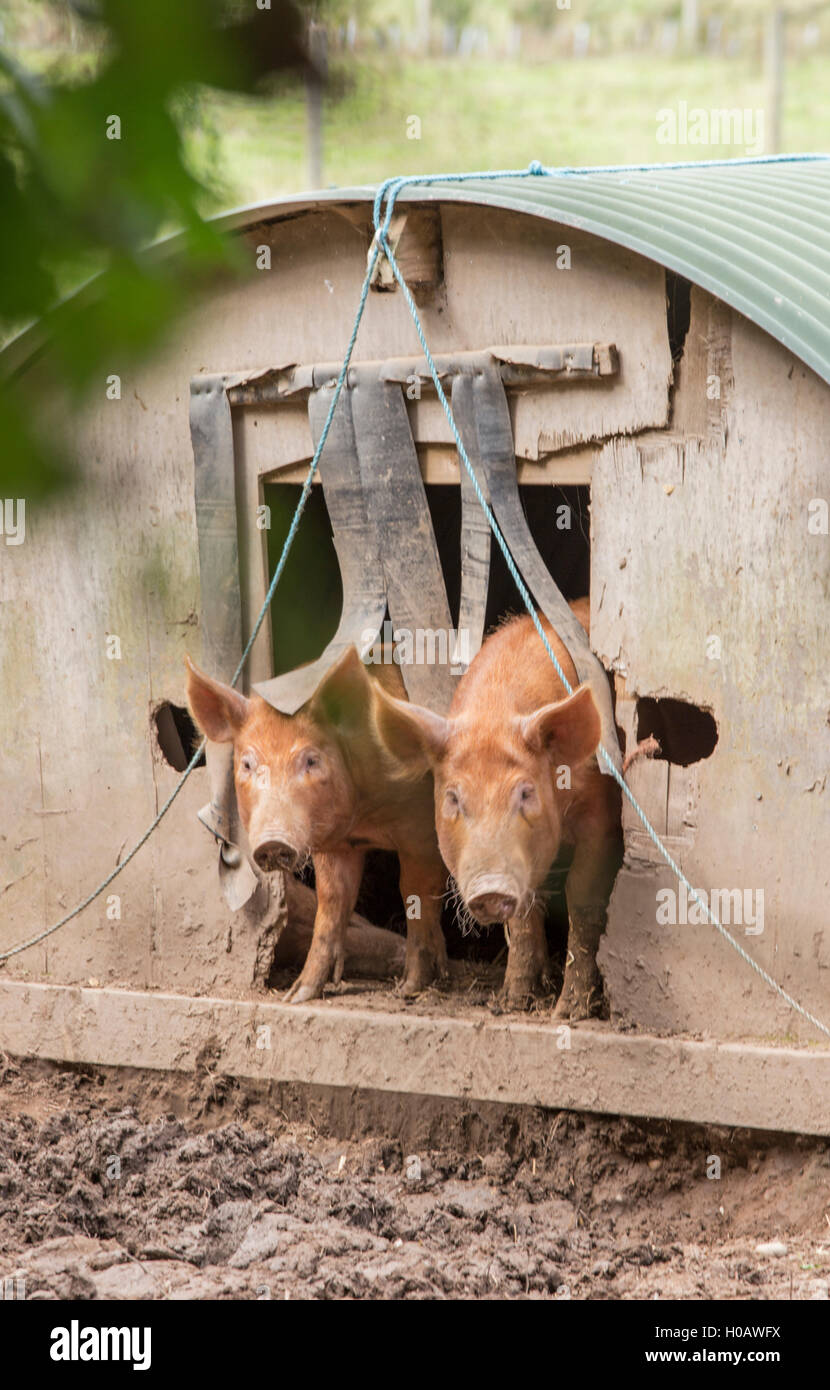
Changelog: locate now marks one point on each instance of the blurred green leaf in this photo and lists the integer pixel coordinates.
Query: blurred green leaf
(92, 172)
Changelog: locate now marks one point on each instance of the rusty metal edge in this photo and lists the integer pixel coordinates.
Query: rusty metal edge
(522, 1062)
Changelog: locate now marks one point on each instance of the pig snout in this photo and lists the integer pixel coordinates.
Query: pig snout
(493, 899)
(274, 853)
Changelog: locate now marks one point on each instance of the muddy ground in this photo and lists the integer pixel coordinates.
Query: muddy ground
(119, 1184)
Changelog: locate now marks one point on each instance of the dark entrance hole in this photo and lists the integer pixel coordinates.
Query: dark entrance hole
(685, 733)
(177, 735)
(678, 312)
(307, 605)
(559, 519)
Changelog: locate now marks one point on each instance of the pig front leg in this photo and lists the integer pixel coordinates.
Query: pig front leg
(422, 885)
(588, 890)
(527, 976)
(337, 879)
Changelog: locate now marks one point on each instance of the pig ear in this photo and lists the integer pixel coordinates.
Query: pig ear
(343, 696)
(568, 730)
(219, 710)
(414, 736)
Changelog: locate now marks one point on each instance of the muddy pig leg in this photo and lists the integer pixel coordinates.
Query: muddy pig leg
(422, 886)
(527, 976)
(337, 878)
(588, 889)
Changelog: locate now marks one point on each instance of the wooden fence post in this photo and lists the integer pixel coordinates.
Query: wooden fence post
(774, 66)
(690, 22)
(315, 82)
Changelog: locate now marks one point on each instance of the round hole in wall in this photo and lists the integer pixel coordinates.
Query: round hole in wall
(685, 733)
(178, 737)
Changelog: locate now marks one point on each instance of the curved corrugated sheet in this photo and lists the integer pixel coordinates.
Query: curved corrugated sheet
(757, 236)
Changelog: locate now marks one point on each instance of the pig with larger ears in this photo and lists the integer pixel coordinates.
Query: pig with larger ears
(323, 782)
(515, 778)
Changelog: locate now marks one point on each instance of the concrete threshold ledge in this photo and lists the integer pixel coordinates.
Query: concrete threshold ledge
(489, 1059)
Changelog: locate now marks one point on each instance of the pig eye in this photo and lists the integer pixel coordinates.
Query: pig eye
(248, 762)
(310, 761)
(452, 801)
(527, 795)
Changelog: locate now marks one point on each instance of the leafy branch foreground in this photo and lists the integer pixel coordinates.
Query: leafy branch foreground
(91, 172)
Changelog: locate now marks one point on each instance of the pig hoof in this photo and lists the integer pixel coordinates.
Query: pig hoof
(423, 968)
(573, 1008)
(518, 1003)
(300, 993)
(521, 998)
(322, 964)
(416, 980)
(412, 985)
(567, 1012)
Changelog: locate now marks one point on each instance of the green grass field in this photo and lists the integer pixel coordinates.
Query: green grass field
(477, 114)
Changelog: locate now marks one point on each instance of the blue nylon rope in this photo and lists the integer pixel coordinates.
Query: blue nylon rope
(390, 188)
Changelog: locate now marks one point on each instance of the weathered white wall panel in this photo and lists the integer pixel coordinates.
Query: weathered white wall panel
(714, 538)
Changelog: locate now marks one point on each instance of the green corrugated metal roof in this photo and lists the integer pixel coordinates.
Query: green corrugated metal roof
(755, 235)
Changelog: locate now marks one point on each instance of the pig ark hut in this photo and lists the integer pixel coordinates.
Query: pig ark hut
(658, 343)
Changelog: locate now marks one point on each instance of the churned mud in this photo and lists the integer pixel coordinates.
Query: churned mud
(121, 1184)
